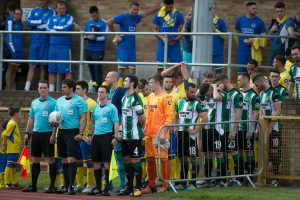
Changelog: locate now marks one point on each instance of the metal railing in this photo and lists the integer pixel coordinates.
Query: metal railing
(81, 61)
(240, 148)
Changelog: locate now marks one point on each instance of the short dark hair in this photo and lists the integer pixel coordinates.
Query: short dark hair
(190, 85)
(258, 77)
(105, 87)
(222, 78)
(279, 4)
(168, 2)
(20, 9)
(157, 78)
(253, 62)
(208, 75)
(281, 59)
(13, 110)
(167, 76)
(11, 5)
(204, 87)
(70, 83)
(134, 3)
(274, 71)
(44, 81)
(61, 2)
(245, 75)
(288, 51)
(83, 84)
(250, 3)
(142, 83)
(296, 45)
(133, 79)
(93, 9)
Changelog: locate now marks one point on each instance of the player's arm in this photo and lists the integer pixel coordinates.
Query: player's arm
(33, 22)
(156, 30)
(29, 127)
(91, 132)
(204, 119)
(184, 70)
(152, 10)
(170, 70)
(67, 27)
(291, 88)
(278, 110)
(110, 24)
(4, 143)
(216, 94)
(238, 115)
(292, 32)
(83, 118)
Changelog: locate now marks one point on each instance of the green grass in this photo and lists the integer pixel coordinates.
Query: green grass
(241, 193)
(43, 180)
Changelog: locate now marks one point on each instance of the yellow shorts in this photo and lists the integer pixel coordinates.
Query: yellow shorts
(151, 150)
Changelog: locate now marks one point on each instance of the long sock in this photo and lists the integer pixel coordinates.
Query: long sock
(106, 171)
(2, 179)
(90, 175)
(13, 175)
(80, 174)
(166, 171)
(121, 168)
(72, 172)
(208, 167)
(7, 175)
(194, 172)
(66, 174)
(35, 172)
(138, 175)
(98, 177)
(221, 167)
(230, 164)
(52, 174)
(151, 167)
(238, 164)
(173, 167)
(144, 169)
(184, 171)
(130, 175)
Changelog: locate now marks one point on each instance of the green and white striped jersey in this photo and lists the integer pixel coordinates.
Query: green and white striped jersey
(267, 103)
(188, 112)
(282, 92)
(295, 77)
(250, 103)
(132, 107)
(234, 101)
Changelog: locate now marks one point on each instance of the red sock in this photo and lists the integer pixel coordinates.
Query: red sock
(151, 165)
(166, 170)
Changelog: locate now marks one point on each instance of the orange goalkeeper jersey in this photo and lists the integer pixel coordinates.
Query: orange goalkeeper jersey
(160, 112)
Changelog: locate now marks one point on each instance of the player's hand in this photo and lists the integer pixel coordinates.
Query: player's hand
(188, 16)
(3, 148)
(171, 41)
(274, 28)
(88, 140)
(117, 39)
(221, 87)
(249, 135)
(78, 137)
(231, 136)
(91, 37)
(193, 131)
(52, 124)
(52, 139)
(114, 142)
(162, 140)
(248, 41)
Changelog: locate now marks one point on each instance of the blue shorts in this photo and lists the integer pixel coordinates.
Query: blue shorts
(217, 59)
(16, 56)
(126, 55)
(174, 53)
(12, 159)
(243, 58)
(84, 152)
(187, 57)
(59, 53)
(172, 151)
(3, 162)
(38, 51)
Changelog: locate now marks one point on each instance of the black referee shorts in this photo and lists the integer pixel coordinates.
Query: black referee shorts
(102, 148)
(40, 144)
(67, 146)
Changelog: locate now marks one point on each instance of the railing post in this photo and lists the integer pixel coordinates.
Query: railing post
(230, 40)
(165, 51)
(80, 74)
(1, 57)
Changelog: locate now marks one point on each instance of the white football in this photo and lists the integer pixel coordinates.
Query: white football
(55, 117)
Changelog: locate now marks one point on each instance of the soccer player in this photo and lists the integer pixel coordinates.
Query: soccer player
(39, 43)
(294, 72)
(275, 27)
(270, 105)
(11, 145)
(250, 112)
(249, 24)
(95, 46)
(3, 157)
(115, 96)
(219, 26)
(189, 111)
(168, 19)
(73, 109)
(160, 113)
(278, 64)
(126, 50)
(14, 44)
(133, 120)
(84, 153)
(40, 130)
(103, 137)
(234, 141)
(59, 48)
(275, 83)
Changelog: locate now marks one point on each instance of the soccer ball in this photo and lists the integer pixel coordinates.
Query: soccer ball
(55, 117)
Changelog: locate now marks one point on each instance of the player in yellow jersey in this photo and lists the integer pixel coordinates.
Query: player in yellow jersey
(278, 64)
(11, 145)
(3, 158)
(85, 150)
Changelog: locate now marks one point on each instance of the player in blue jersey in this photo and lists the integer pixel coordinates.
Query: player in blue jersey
(37, 123)
(95, 46)
(14, 44)
(168, 19)
(126, 48)
(59, 48)
(39, 43)
(73, 109)
(249, 24)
